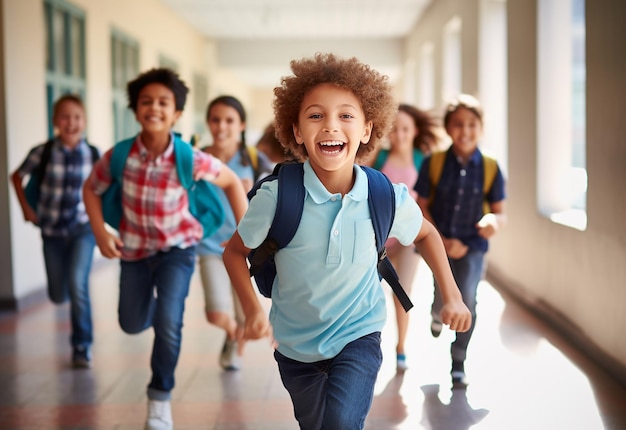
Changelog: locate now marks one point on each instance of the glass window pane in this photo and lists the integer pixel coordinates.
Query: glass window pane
(58, 28)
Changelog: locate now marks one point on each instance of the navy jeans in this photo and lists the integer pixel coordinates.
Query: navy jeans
(152, 294)
(336, 393)
(68, 263)
(468, 272)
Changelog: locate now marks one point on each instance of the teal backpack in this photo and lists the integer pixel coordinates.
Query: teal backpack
(204, 203)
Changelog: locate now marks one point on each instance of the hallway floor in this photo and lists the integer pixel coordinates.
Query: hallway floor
(523, 375)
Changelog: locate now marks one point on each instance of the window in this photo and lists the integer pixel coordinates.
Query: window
(561, 111)
(493, 79)
(65, 52)
(451, 59)
(427, 76)
(124, 68)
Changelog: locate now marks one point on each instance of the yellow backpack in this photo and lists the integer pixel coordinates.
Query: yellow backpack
(437, 160)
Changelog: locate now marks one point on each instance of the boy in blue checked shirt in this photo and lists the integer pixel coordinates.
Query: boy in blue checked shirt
(68, 242)
(457, 209)
(157, 234)
(328, 306)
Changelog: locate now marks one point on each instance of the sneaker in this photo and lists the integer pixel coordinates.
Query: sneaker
(435, 328)
(159, 415)
(401, 365)
(229, 360)
(81, 357)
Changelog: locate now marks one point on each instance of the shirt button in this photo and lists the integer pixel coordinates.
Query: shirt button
(463, 172)
(336, 233)
(333, 199)
(456, 208)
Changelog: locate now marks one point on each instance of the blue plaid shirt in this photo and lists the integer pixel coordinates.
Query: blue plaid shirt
(458, 202)
(61, 208)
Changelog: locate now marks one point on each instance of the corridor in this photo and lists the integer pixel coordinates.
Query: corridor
(522, 374)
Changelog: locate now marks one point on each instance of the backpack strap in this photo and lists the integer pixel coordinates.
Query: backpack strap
(183, 155)
(382, 204)
(490, 168)
(289, 207)
(118, 158)
(435, 168)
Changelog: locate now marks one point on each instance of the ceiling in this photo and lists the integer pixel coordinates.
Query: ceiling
(256, 39)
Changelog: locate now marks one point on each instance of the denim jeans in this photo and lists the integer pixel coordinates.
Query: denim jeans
(467, 272)
(68, 263)
(335, 393)
(152, 294)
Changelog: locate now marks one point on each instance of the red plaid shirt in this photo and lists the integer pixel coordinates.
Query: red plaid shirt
(156, 213)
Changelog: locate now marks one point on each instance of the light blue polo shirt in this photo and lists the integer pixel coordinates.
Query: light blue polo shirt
(327, 292)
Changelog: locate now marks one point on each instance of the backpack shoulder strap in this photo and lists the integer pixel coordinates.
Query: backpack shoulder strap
(435, 168)
(183, 155)
(490, 170)
(45, 158)
(290, 204)
(381, 200)
(95, 153)
(254, 157)
(118, 158)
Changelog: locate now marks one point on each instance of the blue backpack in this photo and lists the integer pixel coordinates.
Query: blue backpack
(291, 193)
(204, 203)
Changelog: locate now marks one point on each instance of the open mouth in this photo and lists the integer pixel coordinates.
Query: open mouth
(331, 146)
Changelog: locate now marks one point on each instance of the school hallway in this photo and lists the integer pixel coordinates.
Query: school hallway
(522, 374)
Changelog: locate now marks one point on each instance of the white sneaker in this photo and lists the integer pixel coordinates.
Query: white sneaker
(159, 415)
(229, 360)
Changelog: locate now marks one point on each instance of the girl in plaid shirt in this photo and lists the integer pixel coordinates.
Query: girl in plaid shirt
(157, 235)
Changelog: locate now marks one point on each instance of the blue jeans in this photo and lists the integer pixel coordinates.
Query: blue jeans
(68, 263)
(335, 393)
(468, 272)
(168, 275)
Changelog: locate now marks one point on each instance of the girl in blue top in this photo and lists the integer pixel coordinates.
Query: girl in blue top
(328, 306)
(226, 120)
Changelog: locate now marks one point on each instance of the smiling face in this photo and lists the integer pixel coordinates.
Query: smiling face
(332, 126)
(156, 109)
(466, 129)
(404, 131)
(225, 125)
(69, 120)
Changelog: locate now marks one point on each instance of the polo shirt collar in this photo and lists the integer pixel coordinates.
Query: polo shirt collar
(320, 194)
(145, 155)
(474, 159)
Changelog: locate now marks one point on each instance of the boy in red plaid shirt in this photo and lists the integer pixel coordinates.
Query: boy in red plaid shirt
(157, 234)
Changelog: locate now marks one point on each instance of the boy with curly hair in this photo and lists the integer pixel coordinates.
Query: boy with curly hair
(328, 306)
(157, 234)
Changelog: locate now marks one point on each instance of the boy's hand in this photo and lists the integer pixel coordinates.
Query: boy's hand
(455, 248)
(456, 315)
(487, 226)
(257, 327)
(109, 245)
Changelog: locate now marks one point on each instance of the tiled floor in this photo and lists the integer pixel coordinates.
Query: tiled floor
(524, 376)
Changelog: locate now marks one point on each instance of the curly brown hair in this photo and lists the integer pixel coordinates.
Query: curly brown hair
(369, 86)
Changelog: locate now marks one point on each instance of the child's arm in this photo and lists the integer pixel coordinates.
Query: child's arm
(235, 260)
(108, 243)
(454, 247)
(430, 246)
(233, 188)
(30, 214)
(490, 223)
